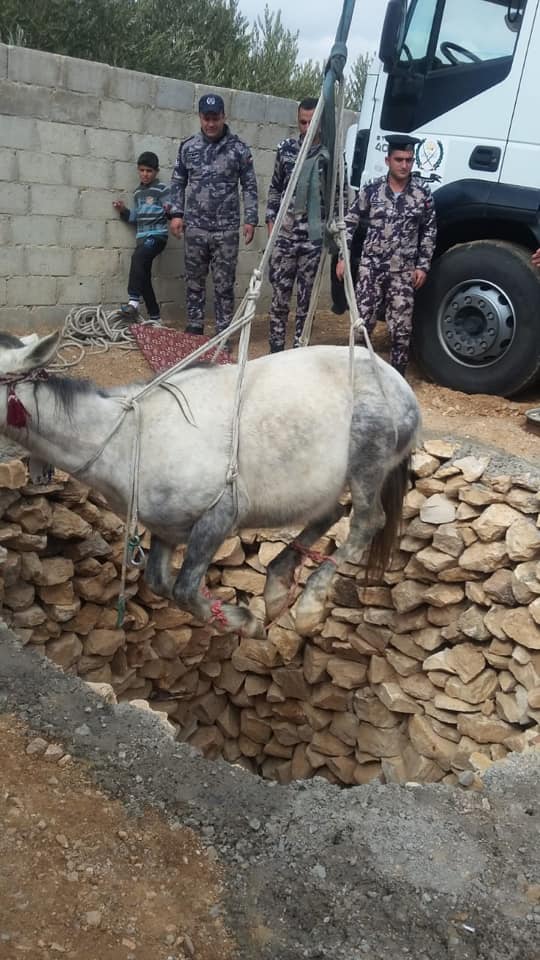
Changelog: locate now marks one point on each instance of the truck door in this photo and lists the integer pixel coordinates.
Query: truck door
(520, 163)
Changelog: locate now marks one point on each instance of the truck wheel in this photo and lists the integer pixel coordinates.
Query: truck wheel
(477, 320)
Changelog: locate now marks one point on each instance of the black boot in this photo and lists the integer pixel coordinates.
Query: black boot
(275, 348)
(191, 328)
(401, 368)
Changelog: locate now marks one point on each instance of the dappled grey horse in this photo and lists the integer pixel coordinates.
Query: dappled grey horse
(308, 432)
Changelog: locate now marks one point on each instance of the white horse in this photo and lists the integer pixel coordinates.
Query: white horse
(307, 433)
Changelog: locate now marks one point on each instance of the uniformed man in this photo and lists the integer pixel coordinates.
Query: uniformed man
(399, 214)
(297, 249)
(205, 208)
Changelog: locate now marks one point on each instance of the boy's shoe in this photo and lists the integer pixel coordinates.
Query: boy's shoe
(129, 312)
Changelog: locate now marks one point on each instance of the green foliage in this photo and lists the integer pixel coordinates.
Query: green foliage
(356, 81)
(205, 41)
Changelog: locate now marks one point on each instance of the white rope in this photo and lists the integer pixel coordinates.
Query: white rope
(93, 329)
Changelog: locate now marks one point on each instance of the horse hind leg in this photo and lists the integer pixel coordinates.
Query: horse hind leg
(377, 502)
(280, 572)
(207, 534)
(157, 572)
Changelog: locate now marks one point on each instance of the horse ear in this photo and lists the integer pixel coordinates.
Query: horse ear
(38, 354)
(25, 355)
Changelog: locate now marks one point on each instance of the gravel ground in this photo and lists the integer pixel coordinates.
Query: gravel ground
(379, 872)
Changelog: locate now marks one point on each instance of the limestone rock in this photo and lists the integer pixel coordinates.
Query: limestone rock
(513, 707)
(370, 709)
(428, 743)
(230, 553)
(472, 623)
(520, 626)
(396, 700)
(53, 570)
(523, 500)
(422, 464)
(484, 557)
(287, 642)
(244, 579)
(494, 521)
(66, 524)
(434, 560)
(443, 594)
(472, 468)
(481, 688)
(438, 509)
(346, 673)
(103, 643)
(523, 540)
(412, 502)
(442, 449)
(408, 595)
(483, 729)
(478, 495)
(385, 742)
(12, 474)
(448, 539)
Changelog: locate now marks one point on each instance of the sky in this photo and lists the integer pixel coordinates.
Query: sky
(317, 20)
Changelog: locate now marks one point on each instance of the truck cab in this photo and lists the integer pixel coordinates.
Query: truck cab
(463, 76)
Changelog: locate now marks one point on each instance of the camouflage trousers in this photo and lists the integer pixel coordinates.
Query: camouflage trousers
(293, 258)
(206, 250)
(382, 295)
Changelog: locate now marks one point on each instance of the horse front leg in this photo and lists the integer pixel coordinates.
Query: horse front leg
(280, 572)
(207, 535)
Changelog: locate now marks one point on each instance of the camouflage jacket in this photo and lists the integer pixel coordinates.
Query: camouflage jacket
(401, 229)
(286, 156)
(204, 185)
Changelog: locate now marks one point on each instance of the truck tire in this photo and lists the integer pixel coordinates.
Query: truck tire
(477, 319)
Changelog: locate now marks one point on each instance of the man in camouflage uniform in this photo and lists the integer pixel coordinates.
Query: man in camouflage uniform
(297, 251)
(399, 214)
(205, 208)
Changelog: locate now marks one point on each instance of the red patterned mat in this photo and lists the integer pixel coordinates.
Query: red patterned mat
(163, 347)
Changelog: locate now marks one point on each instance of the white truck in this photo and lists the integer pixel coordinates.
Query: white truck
(464, 77)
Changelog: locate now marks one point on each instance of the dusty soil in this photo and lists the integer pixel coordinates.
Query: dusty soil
(305, 872)
(82, 879)
(487, 419)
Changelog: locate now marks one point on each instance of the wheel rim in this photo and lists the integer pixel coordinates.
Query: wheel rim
(476, 323)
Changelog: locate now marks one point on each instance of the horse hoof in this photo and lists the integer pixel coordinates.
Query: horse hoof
(308, 619)
(276, 601)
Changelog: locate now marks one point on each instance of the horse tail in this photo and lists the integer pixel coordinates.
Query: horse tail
(393, 492)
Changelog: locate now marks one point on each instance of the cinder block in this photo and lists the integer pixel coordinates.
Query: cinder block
(3, 294)
(75, 290)
(31, 291)
(41, 167)
(120, 235)
(174, 94)
(281, 111)
(8, 165)
(118, 115)
(54, 201)
(23, 100)
(124, 177)
(77, 232)
(168, 288)
(173, 313)
(12, 262)
(5, 230)
(13, 197)
(169, 263)
(168, 123)
(45, 319)
(86, 76)
(165, 147)
(90, 172)
(3, 60)
(32, 229)
(97, 205)
(49, 261)
(18, 132)
(269, 135)
(132, 86)
(246, 131)
(34, 67)
(96, 263)
(265, 162)
(248, 106)
(109, 143)
(64, 138)
(69, 107)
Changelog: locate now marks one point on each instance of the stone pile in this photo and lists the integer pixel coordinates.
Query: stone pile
(430, 676)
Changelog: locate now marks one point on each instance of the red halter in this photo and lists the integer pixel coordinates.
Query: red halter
(17, 414)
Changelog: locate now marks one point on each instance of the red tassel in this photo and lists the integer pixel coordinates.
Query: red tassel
(17, 414)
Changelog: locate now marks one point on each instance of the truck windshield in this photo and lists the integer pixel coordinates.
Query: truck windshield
(452, 51)
(470, 31)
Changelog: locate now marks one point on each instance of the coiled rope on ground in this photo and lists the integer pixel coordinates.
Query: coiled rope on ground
(94, 329)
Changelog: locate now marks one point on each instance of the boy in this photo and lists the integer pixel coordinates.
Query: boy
(150, 213)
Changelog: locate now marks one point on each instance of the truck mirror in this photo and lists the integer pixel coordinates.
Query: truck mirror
(392, 32)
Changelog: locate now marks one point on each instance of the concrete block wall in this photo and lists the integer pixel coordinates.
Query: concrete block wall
(70, 133)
